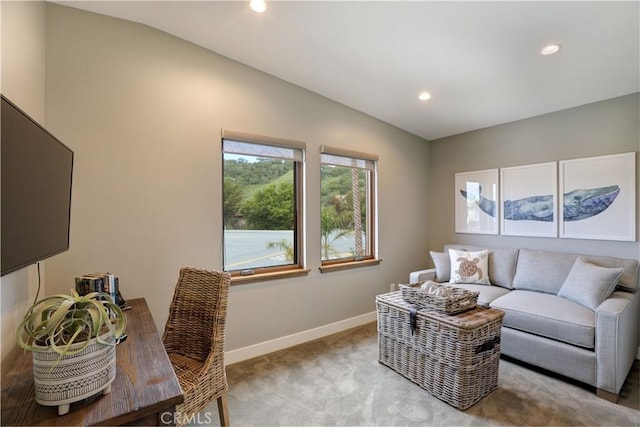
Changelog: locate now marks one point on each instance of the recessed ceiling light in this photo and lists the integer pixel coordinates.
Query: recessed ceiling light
(258, 5)
(424, 96)
(550, 49)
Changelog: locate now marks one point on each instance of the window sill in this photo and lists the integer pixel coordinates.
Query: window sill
(240, 280)
(349, 265)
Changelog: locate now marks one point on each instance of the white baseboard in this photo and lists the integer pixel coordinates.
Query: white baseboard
(235, 356)
(262, 348)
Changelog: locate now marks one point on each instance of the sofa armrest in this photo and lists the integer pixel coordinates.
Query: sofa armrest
(422, 275)
(616, 339)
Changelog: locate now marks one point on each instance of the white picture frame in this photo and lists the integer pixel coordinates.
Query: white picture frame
(599, 197)
(529, 200)
(476, 202)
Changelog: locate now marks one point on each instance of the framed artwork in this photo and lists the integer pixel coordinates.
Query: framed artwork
(476, 197)
(529, 200)
(599, 197)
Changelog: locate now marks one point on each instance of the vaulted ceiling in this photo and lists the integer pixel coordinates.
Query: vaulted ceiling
(480, 61)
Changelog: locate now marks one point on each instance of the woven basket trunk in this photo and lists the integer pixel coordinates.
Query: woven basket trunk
(455, 358)
(62, 381)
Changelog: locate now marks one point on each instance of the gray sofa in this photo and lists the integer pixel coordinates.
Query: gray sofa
(564, 330)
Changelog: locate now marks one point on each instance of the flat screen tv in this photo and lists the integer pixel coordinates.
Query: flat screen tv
(35, 198)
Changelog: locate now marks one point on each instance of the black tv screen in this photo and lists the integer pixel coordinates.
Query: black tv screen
(35, 194)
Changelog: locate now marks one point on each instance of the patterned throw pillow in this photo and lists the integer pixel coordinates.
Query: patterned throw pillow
(469, 267)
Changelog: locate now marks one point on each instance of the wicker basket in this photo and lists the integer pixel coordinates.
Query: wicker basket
(455, 358)
(458, 301)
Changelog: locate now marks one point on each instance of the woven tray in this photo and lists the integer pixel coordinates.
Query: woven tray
(460, 300)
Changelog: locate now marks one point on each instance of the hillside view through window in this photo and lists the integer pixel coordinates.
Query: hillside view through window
(258, 212)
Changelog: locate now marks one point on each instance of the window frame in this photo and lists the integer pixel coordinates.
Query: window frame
(298, 267)
(371, 206)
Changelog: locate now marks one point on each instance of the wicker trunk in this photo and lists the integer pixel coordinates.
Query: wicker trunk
(454, 357)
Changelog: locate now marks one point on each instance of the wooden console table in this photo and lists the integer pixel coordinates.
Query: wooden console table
(145, 386)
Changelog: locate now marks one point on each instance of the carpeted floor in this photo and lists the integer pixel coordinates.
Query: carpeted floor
(337, 381)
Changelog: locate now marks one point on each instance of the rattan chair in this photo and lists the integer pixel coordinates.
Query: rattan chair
(194, 340)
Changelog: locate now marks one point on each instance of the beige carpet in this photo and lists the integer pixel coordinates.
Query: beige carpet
(337, 381)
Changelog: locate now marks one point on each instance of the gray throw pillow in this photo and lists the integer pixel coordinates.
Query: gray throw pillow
(442, 262)
(589, 284)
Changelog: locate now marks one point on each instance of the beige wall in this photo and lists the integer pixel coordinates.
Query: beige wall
(601, 128)
(143, 112)
(22, 81)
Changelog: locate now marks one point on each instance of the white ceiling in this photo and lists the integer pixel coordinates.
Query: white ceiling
(479, 60)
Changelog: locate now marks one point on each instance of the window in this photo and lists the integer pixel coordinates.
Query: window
(262, 206)
(348, 208)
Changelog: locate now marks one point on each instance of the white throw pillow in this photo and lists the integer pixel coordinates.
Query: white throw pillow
(589, 284)
(469, 267)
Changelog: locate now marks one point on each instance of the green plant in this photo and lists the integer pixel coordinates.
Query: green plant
(333, 226)
(284, 245)
(59, 321)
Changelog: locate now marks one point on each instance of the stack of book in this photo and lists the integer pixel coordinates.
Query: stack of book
(98, 282)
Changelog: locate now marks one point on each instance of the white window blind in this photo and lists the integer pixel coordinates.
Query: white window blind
(262, 146)
(351, 159)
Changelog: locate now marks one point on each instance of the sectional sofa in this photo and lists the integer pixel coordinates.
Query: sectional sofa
(576, 315)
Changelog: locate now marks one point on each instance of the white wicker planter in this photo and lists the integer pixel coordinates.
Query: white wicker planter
(74, 377)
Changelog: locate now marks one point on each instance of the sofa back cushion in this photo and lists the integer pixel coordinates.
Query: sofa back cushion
(502, 266)
(546, 271)
(542, 271)
(502, 263)
(629, 279)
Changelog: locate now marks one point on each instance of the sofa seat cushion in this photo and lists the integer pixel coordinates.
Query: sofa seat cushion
(486, 294)
(549, 316)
